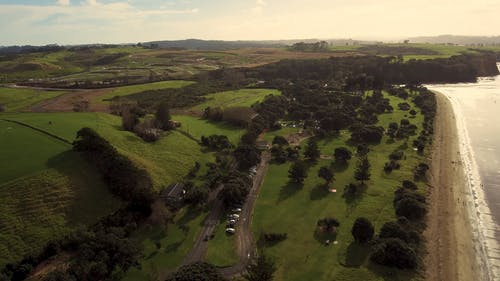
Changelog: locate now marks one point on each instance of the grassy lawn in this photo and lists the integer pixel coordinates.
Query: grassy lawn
(176, 239)
(129, 90)
(243, 97)
(198, 127)
(46, 190)
(222, 248)
(17, 99)
(167, 160)
(284, 207)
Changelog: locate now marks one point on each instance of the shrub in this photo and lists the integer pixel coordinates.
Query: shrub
(404, 106)
(396, 155)
(410, 208)
(394, 252)
(328, 224)
(279, 140)
(274, 237)
(392, 165)
(393, 230)
(342, 154)
(409, 185)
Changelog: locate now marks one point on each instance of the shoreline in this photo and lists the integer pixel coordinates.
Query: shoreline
(450, 240)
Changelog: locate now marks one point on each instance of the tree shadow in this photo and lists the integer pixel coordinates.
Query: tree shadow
(356, 254)
(339, 167)
(353, 199)
(320, 191)
(173, 247)
(391, 273)
(322, 236)
(288, 190)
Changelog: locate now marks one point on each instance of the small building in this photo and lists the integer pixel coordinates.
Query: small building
(262, 145)
(173, 195)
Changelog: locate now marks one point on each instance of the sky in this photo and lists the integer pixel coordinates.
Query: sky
(40, 22)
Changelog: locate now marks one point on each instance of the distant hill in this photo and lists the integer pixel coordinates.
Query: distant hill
(456, 39)
(197, 44)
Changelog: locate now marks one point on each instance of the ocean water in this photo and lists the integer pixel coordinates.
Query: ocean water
(477, 112)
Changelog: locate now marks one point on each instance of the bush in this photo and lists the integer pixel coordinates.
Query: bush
(396, 155)
(409, 185)
(410, 208)
(196, 271)
(328, 224)
(404, 106)
(279, 140)
(274, 237)
(393, 230)
(392, 165)
(394, 252)
(362, 230)
(342, 154)
(420, 171)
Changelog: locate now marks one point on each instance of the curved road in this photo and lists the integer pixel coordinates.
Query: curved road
(244, 237)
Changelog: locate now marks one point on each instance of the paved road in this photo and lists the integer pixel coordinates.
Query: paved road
(244, 237)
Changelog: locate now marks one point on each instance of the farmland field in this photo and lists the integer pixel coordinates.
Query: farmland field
(243, 98)
(18, 99)
(129, 90)
(46, 190)
(167, 160)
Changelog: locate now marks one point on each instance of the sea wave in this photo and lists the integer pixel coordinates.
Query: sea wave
(483, 225)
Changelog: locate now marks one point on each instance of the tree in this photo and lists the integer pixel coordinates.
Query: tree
(362, 172)
(326, 174)
(162, 117)
(394, 252)
(297, 172)
(247, 155)
(328, 224)
(279, 140)
(261, 269)
(362, 230)
(411, 208)
(342, 154)
(200, 271)
(129, 120)
(312, 151)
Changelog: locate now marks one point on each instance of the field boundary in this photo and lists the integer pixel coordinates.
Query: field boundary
(39, 130)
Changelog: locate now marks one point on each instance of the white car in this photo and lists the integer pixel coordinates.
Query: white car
(230, 230)
(231, 221)
(236, 210)
(234, 216)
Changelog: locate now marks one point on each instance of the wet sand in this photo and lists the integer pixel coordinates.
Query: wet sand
(449, 236)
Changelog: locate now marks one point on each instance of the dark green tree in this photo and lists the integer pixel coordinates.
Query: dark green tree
(312, 151)
(298, 172)
(327, 174)
(200, 271)
(162, 117)
(342, 155)
(362, 230)
(261, 269)
(362, 172)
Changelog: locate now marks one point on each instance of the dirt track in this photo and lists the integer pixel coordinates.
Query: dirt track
(450, 245)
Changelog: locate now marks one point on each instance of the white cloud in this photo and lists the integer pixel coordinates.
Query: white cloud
(63, 2)
(259, 6)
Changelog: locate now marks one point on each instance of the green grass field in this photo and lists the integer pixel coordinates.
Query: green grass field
(46, 190)
(198, 127)
(284, 207)
(129, 90)
(18, 99)
(243, 98)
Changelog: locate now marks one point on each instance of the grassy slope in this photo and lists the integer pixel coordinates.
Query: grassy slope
(17, 99)
(128, 90)
(45, 191)
(243, 97)
(168, 160)
(284, 207)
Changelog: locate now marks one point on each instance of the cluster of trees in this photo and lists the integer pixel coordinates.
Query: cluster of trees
(236, 188)
(216, 142)
(320, 46)
(149, 129)
(367, 134)
(104, 251)
(282, 152)
(239, 116)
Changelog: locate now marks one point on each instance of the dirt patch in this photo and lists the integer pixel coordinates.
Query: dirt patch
(68, 101)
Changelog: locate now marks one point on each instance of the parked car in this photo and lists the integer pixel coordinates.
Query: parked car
(230, 230)
(234, 216)
(232, 221)
(236, 210)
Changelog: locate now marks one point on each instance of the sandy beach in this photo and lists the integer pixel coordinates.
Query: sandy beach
(450, 240)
